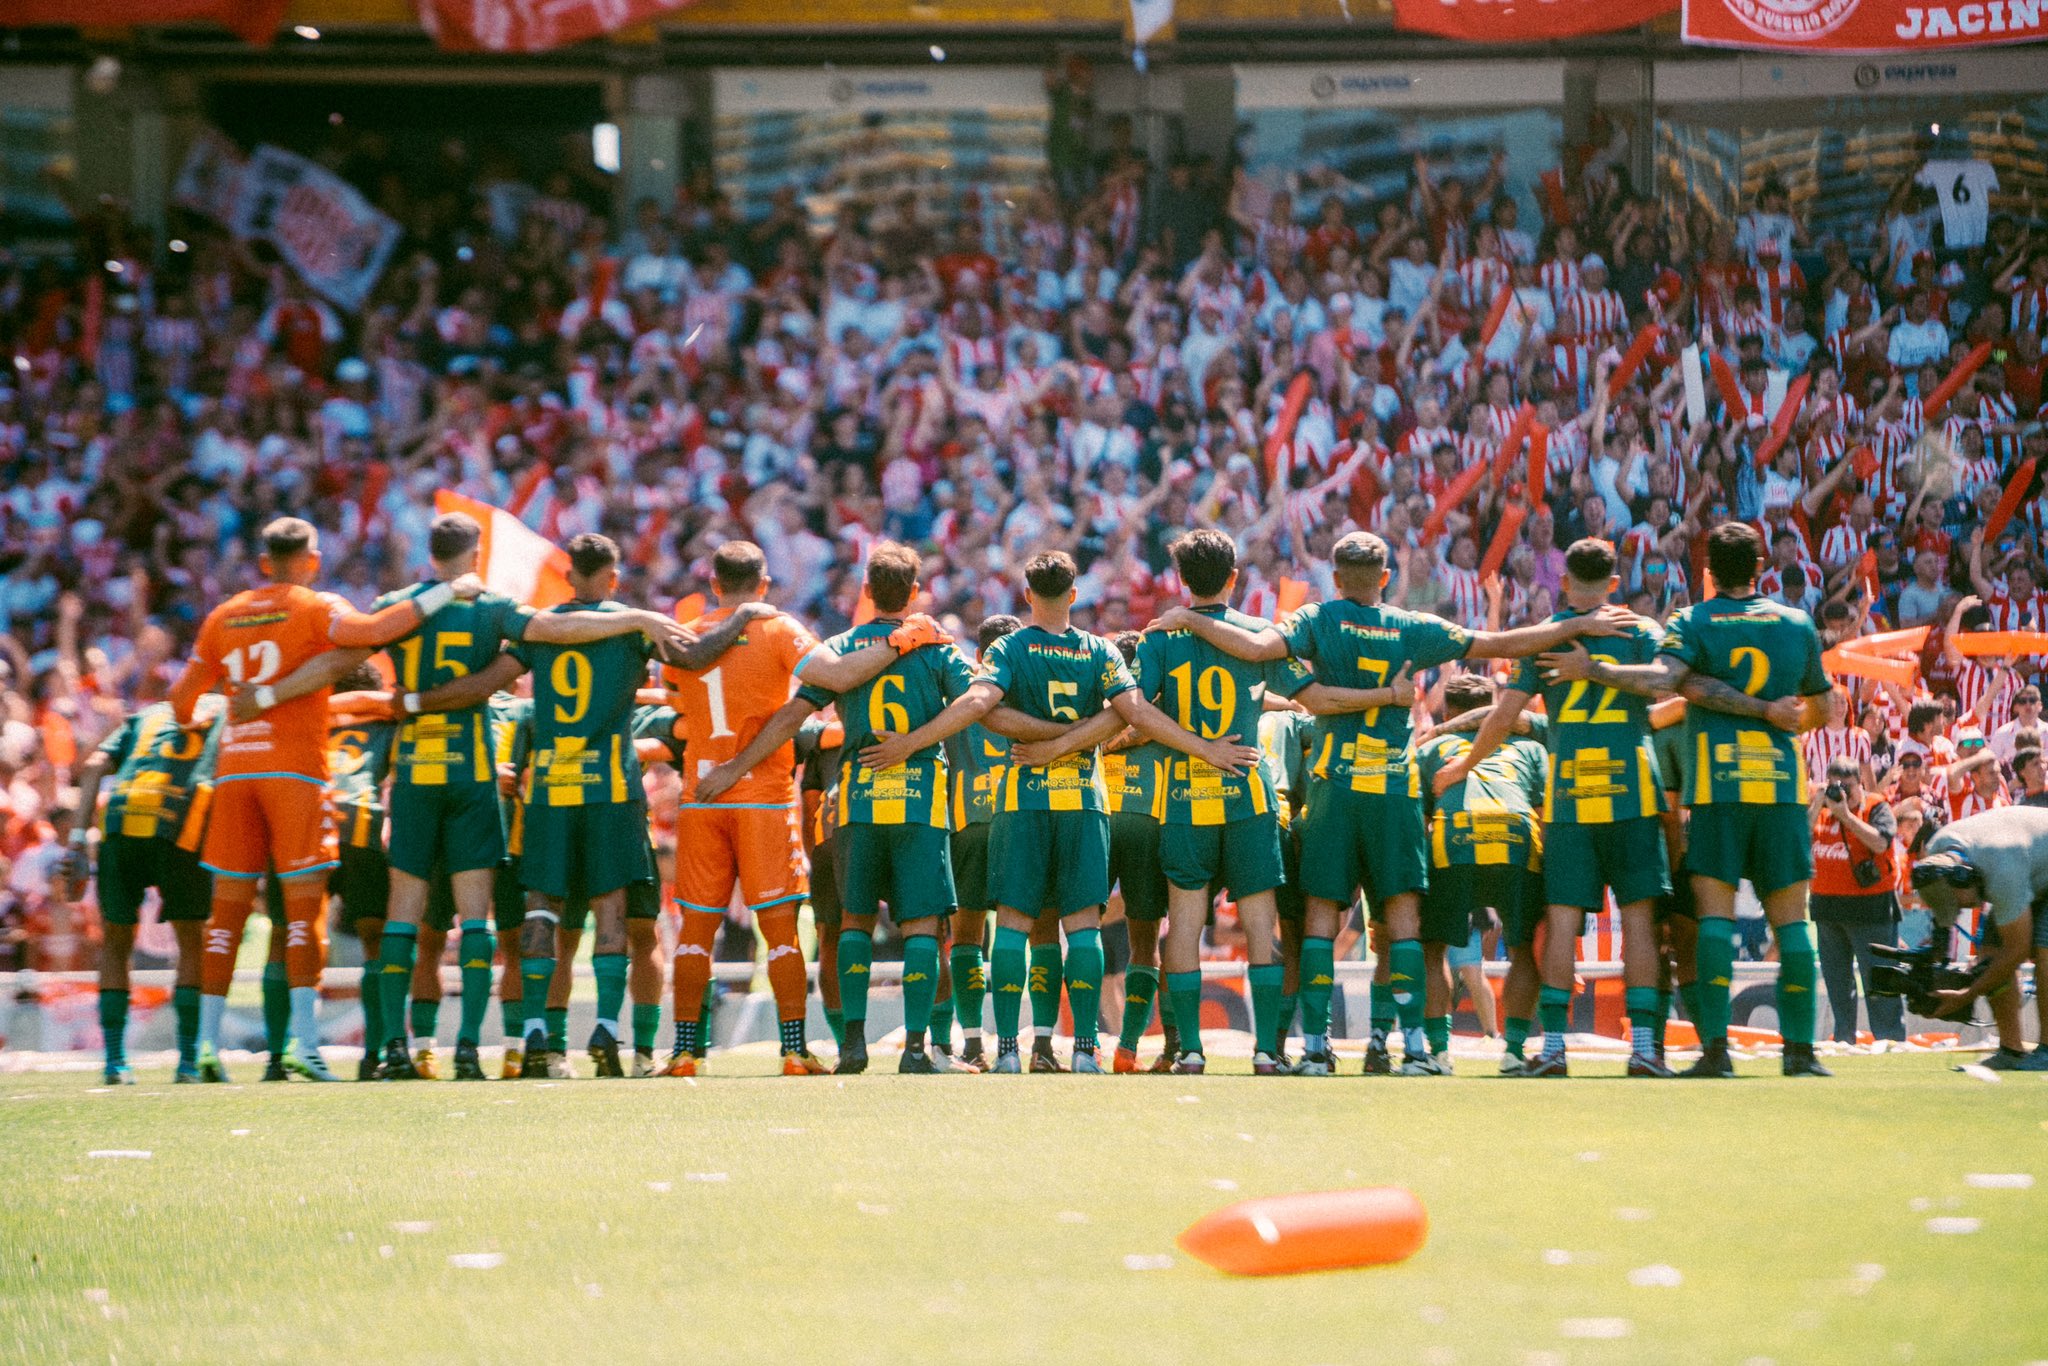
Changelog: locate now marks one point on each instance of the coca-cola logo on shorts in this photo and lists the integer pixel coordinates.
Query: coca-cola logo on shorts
(1793, 21)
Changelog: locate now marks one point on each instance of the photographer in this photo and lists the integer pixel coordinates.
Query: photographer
(1998, 860)
(1855, 874)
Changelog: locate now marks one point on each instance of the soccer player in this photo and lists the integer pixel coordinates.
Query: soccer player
(1132, 780)
(269, 811)
(737, 822)
(511, 719)
(359, 739)
(1603, 809)
(976, 758)
(1286, 731)
(149, 837)
(1049, 844)
(583, 816)
(1751, 673)
(1364, 827)
(817, 747)
(1485, 844)
(1678, 923)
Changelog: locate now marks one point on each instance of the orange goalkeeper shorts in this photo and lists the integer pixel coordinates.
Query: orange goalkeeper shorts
(758, 848)
(262, 825)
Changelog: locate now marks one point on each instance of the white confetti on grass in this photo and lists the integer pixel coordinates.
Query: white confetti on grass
(1979, 1072)
(97, 1295)
(1869, 1272)
(476, 1261)
(1594, 1328)
(386, 1250)
(1072, 1216)
(1556, 1256)
(1147, 1261)
(1190, 1100)
(1999, 1181)
(138, 1154)
(705, 1176)
(865, 1208)
(1949, 1223)
(238, 1133)
(412, 1226)
(785, 1131)
(1589, 1157)
(1656, 1275)
(1223, 1183)
(1631, 1215)
(661, 1187)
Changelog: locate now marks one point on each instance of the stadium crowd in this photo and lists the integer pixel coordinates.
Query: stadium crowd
(1095, 368)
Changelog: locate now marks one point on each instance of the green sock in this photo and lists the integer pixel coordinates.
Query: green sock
(394, 966)
(424, 1016)
(1717, 974)
(646, 1025)
(1642, 1018)
(1516, 1033)
(371, 989)
(1382, 1008)
(1084, 986)
(1167, 1019)
(534, 976)
(942, 1022)
(512, 1018)
(473, 953)
(1266, 984)
(114, 1024)
(920, 980)
(1437, 1029)
(1141, 985)
(1798, 973)
(1318, 980)
(1006, 974)
(835, 1020)
(1689, 997)
(1554, 1008)
(856, 965)
(558, 1027)
(277, 1008)
(610, 971)
(1045, 988)
(1184, 991)
(1288, 1005)
(970, 986)
(1404, 979)
(1663, 1017)
(185, 1004)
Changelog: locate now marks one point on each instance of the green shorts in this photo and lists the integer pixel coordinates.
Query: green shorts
(508, 898)
(451, 829)
(1352, 841)
(1457, 891)
(908, 866)
(1049, 860)
(1582, 862)
(1771, 846)
(970, 868)
(1134, 865)
(130, 866)
(363, 882)
(826, 904)
(1678, 903)
(584, 850)
(643, 902)
(440, 902)
(1242, 856)
(1287, 898)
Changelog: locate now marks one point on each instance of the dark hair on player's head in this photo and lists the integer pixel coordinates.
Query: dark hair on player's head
(995, 628)
(362, 678)
(286, 538)
(1590, 561)
(1050, 574)
(738, 567)
(1922, 714)
(1734, 550)
(1126, 643)
(591, 554)
(1466, 692)
(453, 535)
(892, 576)
(1360, 552)
(1206, 559)
(1976, 617)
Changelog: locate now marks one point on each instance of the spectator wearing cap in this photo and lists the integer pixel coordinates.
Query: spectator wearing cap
(1598, 313)
(1853, 901)
(1976, 784)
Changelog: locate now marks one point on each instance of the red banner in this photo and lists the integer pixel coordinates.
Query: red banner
(513, 26)
(1523, 21)
(256, 21)
(1873, 26)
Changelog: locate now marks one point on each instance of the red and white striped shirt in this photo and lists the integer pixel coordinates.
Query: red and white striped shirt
(1420, 441)
(1822, 747)
(2029, 308)
(964, 355)
(1842, 544)
(1967, 801)
(1465, 602)
(1598, 316)
(1482, 278)
(1561, 278)
(1777, 284)
(1973, 680)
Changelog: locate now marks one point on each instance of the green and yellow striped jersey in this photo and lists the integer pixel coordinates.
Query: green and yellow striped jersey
(1286, 737)
(1134, 779)
(1768, 650)
(162, 777)
(1490, 818)
(582, 728)
(896, 701)
(1352, 645)
(1066, 677)
(439, 749)
(358, 762)
(1602, 766)
(976, 757)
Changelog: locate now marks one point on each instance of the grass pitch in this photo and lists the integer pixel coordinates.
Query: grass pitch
(750, 1218)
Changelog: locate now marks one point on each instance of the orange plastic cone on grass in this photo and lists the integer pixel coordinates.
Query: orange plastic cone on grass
(1311, 1231)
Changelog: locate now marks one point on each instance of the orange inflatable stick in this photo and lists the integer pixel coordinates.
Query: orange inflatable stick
(1539, 460)
(1511, 440)
(1632, 359)
(1511, 519)
(1495, 316)
(1781, 425)
(1311, 1231)
(1974, 643)
(1932, 404)
(1453, 497)
(1298, 391)
(2009, 501)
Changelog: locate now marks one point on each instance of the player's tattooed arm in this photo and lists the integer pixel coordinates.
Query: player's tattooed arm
(1224, 753)
(1324, 699)
(583, 628)
(1665, 674)
(1013, 724)
(466, 692)
(1524, 641)
(315, 674)
(971, 706)
(692, 650)
(1097, 730)
(1786, 713)
(390, 624)
(839, 673)
(780, 729)
(1264, 644)
(1494, 723)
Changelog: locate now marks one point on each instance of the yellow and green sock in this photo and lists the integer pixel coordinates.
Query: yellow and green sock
(610, 971)
(1184, 993)
(114, 1024)
(856, 965)
(1007, 974)
(970, 987)
(1641, 1003)
(1141, 985)
(474, 952)
(1266, 981)
(1798, 975)
(395, 962)
(1717, 976)
(1554, 1009)
(1045, 988)
(920, 983)
(277, 1009)
(185, 1005)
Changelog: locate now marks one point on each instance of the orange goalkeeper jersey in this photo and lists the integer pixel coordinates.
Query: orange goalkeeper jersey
(725, 706)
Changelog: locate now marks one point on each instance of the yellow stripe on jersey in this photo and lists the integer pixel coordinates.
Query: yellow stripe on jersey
(618, 768)
(845, 802)
(960, 801)
(194, 834)
(938, 813)
(1703, 774)
(484, 772)
(1439, 845)
(1646, 780)
(1010, 789)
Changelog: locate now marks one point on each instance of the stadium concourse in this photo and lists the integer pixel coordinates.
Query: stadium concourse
(1090, 369)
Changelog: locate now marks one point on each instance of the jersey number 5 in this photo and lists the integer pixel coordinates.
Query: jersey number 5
(1054, 691)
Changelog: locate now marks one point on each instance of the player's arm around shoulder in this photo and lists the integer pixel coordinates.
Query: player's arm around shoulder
(977, 702)
(472, 690)
(1230, 636)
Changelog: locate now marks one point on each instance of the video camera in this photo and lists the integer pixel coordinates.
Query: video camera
(1917, 974)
